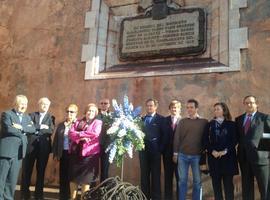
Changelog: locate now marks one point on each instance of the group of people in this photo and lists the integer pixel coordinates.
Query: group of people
(26, 139)
(182, 142)
(79, 144)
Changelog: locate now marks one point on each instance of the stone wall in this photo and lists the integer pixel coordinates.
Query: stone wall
(40, 52)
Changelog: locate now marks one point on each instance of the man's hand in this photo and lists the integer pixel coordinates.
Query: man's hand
(222, 153)
(17, 126)
(56, 159)
(44, 126)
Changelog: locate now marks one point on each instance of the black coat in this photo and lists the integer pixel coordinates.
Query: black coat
(43, 135)
(58, 141)
(220, 137)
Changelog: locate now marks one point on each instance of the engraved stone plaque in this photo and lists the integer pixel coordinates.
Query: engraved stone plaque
(180, 34)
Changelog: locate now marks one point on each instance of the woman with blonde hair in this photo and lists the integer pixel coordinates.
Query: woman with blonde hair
(84, 150)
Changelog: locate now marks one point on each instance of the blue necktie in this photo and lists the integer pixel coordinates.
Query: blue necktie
(148, 119)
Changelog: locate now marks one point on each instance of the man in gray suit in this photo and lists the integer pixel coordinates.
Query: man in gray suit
(13, 142)
(250, 128)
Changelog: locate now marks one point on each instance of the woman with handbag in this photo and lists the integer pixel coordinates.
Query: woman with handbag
(219, 141)
(84, 151)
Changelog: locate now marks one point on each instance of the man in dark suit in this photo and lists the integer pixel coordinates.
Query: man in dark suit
(250, 128)
(103, 112)
(170, 167)
(150, 157)
(38, 149)
(13, 141)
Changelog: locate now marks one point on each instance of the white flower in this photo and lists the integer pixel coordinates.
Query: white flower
(112, 129)
(127, 123)
(130, 107)
(122, 133)
(130, 150)
(139, 134)
(112, 153)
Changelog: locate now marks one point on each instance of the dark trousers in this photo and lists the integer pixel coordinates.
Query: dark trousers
(40, 154)
(64, 188)
(227, 181)
(104, 168)
(268, 189)
(170, 168)
(9, 171)
(150, 174)
(248, 171)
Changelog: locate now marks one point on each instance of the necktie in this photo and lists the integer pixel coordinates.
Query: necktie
(41, 116)
(173, 122)
(20, 117)
(148, 119)
(247, 124)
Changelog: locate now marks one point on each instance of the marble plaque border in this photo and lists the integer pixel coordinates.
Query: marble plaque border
(167, 53)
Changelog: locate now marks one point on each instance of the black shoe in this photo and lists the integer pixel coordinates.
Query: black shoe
(39, 198)
(25, 197)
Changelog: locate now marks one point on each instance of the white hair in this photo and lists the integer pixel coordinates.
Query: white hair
(20, 98)
(44, 100)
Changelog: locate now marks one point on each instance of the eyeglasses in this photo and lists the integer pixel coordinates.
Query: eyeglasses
(70, 111)
(250, 102)
(104, 103)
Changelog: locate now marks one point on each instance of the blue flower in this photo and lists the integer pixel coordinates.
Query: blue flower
(137, 111)
(112, 153)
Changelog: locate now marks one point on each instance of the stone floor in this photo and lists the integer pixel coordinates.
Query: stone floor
(50, 193)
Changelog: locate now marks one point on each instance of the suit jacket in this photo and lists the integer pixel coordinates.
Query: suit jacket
(153, 139)
(92, 132)
(248, 143)
(104, 138)
(168, 134)
(13, 142)
(58, 141)
(43, 135)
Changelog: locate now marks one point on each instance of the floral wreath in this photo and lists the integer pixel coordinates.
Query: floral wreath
(125, 131)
